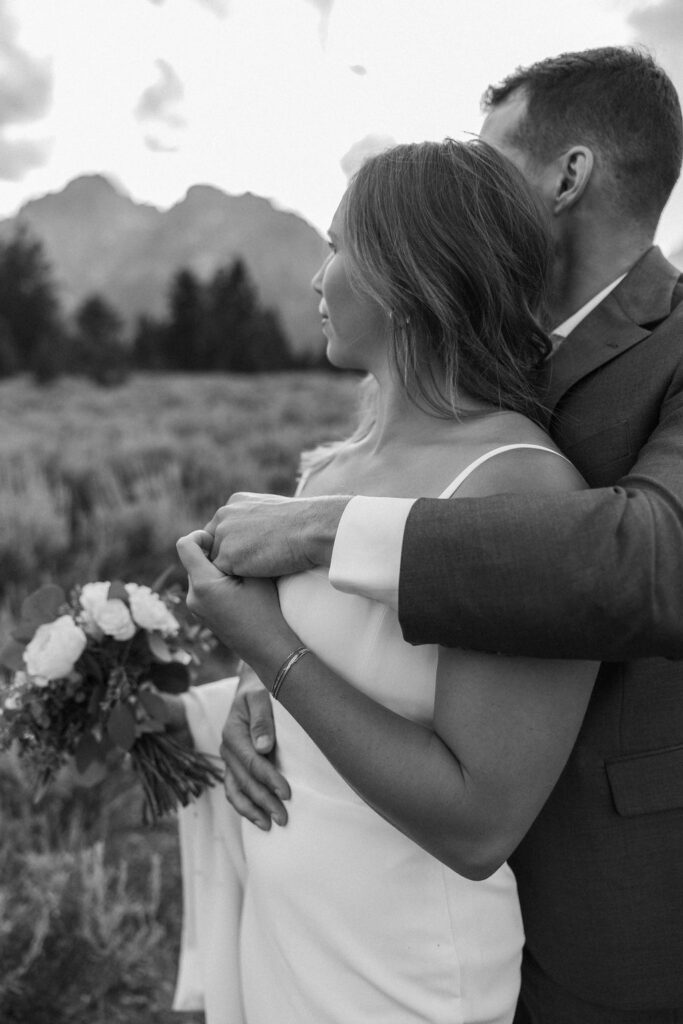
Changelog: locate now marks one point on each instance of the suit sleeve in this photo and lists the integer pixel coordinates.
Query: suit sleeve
(594, 574)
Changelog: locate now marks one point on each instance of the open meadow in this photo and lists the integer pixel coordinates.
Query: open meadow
(98, 484)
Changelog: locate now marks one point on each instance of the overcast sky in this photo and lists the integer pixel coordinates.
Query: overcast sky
(276, 97)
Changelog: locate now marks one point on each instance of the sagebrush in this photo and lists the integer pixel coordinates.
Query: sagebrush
(99, 484)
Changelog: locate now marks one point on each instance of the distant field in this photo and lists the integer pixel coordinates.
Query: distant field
(98, 483)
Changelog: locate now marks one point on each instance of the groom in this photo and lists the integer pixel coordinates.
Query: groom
(595, 574)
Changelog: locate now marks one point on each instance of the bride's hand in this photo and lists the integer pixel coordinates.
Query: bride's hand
(243, 613)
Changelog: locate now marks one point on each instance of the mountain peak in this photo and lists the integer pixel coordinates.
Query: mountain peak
(204, 195)
(100, 240)
(98, 183)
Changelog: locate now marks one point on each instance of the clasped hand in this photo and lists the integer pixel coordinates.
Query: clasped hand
(245, 615)
(258, 535)
(255, 535)
(268, 535)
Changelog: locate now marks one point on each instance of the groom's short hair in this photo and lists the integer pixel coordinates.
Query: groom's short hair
(617, 101)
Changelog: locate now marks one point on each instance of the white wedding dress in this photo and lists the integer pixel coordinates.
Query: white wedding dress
(338, 918)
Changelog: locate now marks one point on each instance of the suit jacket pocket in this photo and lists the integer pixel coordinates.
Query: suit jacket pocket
(647, 783)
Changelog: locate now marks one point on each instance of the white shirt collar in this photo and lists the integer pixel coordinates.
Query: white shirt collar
(567, 326)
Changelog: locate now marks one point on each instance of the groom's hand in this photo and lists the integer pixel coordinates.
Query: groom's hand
(268, 535)
(253, 786)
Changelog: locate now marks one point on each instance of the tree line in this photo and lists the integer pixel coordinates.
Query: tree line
(214, 324)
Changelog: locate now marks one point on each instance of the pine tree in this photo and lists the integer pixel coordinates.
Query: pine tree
(29, 305)
(99, 350)
(185, 344)
(243, 337)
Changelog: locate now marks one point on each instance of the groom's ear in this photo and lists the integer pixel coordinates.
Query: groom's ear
(574, 171)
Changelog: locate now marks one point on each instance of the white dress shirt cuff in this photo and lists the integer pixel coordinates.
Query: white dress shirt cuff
(366, 558)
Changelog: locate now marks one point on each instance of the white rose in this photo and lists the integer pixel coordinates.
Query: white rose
(92, 597)
(54, 650)
(114, 619)
(149, 611)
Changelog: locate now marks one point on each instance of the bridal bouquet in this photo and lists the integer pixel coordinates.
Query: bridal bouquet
(85, 676)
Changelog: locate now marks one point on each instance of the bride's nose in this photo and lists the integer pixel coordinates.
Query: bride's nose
(317, 281)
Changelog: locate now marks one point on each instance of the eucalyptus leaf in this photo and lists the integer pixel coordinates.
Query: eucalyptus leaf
(25, 631)
(43, 605)
(154, 705)
(117, 590)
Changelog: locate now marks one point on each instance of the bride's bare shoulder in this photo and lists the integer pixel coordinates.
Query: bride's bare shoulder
(520, 469)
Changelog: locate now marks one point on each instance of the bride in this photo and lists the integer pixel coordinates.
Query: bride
(414, 771)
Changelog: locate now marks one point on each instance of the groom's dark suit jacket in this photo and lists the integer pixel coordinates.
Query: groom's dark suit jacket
(596, 574)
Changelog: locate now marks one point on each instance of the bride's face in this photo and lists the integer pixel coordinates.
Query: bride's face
(355, 325)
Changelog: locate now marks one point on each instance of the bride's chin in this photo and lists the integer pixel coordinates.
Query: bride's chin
(342, 360)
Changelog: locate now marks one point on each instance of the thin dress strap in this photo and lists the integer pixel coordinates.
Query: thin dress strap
(461, 477)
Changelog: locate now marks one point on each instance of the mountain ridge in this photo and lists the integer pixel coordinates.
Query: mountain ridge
(98, 239)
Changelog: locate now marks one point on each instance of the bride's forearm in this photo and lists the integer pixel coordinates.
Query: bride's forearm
(401, 769)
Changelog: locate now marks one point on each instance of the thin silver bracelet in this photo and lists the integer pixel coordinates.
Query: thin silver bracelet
(287, 664)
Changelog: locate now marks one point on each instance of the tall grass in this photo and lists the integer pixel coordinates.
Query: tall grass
(99, 484)
(95, 483)
(89, 906)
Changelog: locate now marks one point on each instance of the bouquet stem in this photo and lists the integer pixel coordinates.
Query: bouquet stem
(170, 773)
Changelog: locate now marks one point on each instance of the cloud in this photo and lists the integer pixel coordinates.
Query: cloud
(660, 27)
(25, 94)
(157, 146)
(325, 9)
(219, 7)
(157, 100)
(369, 145)
(660, 24)
(18, 156)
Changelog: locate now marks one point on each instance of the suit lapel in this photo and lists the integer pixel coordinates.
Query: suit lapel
(621, 320)
(604, 334)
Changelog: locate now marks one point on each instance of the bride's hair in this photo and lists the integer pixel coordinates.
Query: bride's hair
(451, 241)
(453, 244)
